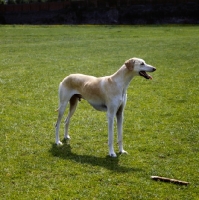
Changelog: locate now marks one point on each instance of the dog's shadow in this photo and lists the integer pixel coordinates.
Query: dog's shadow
(64, 152)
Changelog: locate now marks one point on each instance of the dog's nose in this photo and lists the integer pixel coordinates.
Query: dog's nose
(154, 69)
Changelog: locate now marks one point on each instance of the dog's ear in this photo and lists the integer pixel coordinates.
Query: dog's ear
(130, 64)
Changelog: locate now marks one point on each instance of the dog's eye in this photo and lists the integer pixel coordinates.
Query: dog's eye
(142, 63)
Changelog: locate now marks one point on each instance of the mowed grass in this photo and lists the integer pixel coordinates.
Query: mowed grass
(161, 125)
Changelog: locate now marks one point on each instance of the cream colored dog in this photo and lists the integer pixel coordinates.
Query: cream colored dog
(104, 94)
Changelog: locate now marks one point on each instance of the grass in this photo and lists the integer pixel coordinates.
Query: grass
(161, 131)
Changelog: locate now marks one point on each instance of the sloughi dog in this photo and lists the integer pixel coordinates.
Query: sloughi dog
(106, 93)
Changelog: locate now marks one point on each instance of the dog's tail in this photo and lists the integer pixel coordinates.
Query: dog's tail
(59, 91)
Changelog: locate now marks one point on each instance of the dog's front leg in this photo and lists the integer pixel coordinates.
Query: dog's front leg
(110, 117)
(119, 116)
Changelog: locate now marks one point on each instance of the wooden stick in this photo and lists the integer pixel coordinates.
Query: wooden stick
(164, 179)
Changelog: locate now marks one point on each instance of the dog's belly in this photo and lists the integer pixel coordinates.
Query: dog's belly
(99, 107)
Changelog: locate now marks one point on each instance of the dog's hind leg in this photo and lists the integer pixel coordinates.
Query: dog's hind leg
(62, 106)
(73, 105)
(57, 126)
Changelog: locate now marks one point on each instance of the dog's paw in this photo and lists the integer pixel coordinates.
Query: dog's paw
(113, 155)
(123, 152)
(67, 137)
(59, 143)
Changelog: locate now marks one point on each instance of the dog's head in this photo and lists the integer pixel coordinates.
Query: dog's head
(139, 67)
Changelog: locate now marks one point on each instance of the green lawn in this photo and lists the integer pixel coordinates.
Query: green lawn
(161, 126)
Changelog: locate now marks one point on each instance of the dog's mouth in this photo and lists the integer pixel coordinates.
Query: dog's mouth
(145, 75)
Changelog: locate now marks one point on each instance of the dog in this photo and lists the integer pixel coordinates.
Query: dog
(108, 93)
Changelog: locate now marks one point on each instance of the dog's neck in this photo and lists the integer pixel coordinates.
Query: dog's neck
(123, 76)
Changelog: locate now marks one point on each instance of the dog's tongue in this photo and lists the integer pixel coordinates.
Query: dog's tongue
(150, 77)
(145, 75)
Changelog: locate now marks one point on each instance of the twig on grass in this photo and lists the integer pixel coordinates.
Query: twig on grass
(164, 179)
